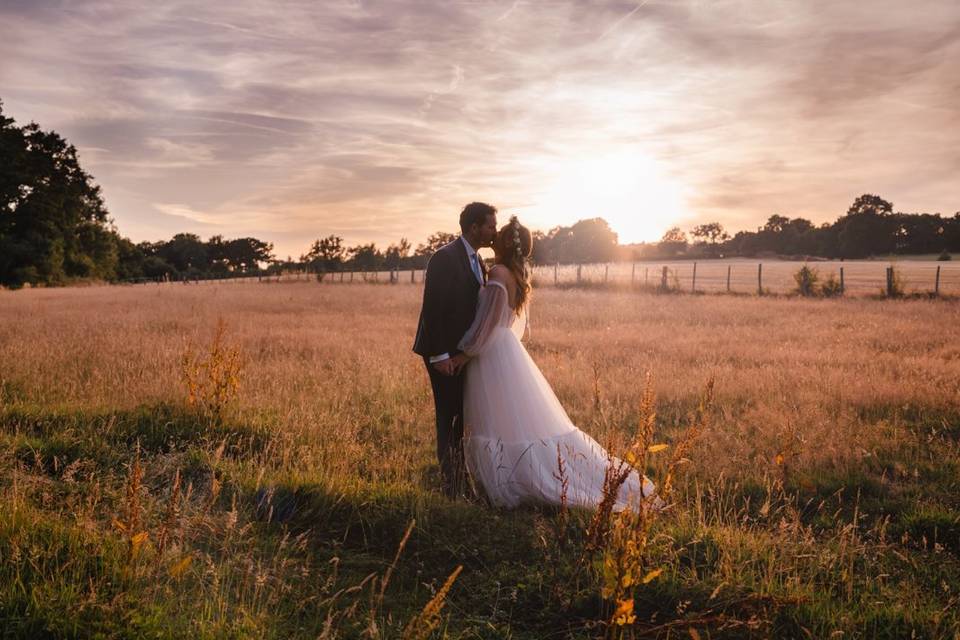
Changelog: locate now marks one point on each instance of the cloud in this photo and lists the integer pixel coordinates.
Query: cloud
(375, 120)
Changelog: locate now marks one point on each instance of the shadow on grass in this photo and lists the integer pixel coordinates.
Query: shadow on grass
(54, 439)
(507, 580)
(514, 583)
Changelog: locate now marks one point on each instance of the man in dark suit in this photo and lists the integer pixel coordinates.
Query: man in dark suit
(454, 276)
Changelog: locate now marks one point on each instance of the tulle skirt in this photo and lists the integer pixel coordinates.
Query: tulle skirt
(517, 434)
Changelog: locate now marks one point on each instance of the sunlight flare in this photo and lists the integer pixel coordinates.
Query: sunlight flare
(629, 189)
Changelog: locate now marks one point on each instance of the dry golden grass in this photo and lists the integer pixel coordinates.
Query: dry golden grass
(792, 375)
(814, 402)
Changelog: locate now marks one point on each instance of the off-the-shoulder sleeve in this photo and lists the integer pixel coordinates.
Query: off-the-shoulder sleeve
(491, 303)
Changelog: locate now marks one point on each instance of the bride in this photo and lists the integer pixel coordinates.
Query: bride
(515, 428)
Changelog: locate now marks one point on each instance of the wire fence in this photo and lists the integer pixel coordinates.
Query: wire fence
(852, 278)
(855, 278)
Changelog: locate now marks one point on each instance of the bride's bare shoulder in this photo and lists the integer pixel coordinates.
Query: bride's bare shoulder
(501, 274)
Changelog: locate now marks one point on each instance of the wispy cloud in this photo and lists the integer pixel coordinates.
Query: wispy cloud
(379, 120)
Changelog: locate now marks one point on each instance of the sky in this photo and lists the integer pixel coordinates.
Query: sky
(293, 120)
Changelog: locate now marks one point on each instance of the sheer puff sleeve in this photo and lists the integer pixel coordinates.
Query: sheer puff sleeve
(491, 307)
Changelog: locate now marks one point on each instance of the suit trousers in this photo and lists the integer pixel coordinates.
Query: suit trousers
(448, 404)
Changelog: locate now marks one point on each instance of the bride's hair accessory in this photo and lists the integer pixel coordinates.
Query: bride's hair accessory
(516, 237)
(514, 248)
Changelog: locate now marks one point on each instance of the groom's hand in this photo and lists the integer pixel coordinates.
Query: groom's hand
(459, 362)
(446, 367)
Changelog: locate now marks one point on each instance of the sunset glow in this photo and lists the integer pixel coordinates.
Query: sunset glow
(628, 189)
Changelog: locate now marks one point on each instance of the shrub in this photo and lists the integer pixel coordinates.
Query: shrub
(831, 287)
(213, 381)
(807, 279)
(944, 256)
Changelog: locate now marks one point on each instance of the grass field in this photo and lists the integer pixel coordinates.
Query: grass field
(822, 499)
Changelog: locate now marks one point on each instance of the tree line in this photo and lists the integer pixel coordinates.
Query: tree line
(55, 229)
(870, 227)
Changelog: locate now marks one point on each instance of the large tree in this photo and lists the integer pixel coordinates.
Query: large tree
(423, 251)
(673, 242)
(366, 257)
(711, 232)
(434, 242)
(54, 225)
(869, 228)
(186, 252)
(247, 254)
(325, 254)
(217, 255)
(590, 240)
(396, 254)
(709, 237)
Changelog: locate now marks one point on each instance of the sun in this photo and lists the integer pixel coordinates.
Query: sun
(629, 190)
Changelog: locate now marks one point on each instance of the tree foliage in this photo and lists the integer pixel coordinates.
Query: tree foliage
(326, 254)
(673, 243)
(365, 257)
(870, 227)
(396, 254)
(590, 240)
(54, 226)
(434, 242)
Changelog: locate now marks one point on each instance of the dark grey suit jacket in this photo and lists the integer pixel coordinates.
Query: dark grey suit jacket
(449, 301)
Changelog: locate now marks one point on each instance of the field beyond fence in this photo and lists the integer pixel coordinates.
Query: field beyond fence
(853, 278)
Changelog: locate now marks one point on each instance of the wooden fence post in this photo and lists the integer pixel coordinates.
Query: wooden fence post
(936, 283)
(663, 280)
(760, 279)
(693, 289)
(633, 273)
(606, 272)
(889, 281)
(578, 273)
(556, 267)
(842, 285)
(646, 276)
(728, 278)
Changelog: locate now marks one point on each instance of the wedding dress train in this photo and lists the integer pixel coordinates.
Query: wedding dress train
(514, 424)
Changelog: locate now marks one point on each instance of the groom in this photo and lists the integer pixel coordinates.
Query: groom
(454, 276)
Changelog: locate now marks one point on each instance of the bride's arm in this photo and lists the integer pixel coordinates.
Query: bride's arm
(490, 305)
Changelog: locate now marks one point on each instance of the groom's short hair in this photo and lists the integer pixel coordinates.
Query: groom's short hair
(475, 213)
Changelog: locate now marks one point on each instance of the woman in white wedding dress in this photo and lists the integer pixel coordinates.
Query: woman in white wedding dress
(513, 421)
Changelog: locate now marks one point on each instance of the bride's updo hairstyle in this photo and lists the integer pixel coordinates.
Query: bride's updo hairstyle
(514, 246)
